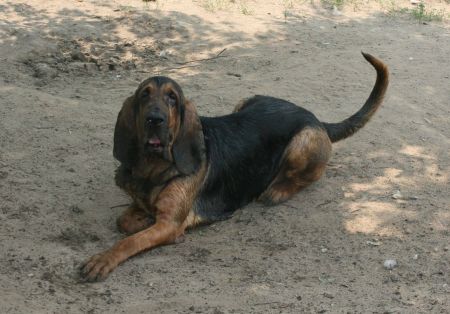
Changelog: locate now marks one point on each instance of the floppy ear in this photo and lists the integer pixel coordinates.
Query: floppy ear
(125, 137)
(189, 147)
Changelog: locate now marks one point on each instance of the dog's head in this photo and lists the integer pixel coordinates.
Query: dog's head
(158, 122)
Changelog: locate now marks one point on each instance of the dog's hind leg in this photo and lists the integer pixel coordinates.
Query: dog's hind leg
(303, 162)
(133, 220)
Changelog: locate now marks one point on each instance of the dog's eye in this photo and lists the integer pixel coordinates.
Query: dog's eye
(145, 93)
(171, 99)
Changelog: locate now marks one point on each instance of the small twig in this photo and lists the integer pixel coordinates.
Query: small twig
(168, 69)
(186, 64)
(176, 68)
(325, 203)
(121, 205)
(205, 59)
(289, 206)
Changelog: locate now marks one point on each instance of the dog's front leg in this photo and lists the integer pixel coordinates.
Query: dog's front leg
(100, 265)
(172, 207)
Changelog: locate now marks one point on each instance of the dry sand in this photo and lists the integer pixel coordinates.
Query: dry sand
(66, 67)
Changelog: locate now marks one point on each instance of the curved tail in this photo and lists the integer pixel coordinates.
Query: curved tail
(346, 128)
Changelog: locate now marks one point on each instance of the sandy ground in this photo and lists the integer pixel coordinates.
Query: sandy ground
(66, 67)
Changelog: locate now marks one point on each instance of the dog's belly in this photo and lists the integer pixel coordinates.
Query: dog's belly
(208, 209)
(225, 192)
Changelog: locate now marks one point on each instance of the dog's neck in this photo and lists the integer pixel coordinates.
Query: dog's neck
(151, 168)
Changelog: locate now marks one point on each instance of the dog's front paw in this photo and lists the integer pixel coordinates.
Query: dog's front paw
(98, 267)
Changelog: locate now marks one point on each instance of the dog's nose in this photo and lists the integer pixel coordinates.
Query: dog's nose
(154, 119)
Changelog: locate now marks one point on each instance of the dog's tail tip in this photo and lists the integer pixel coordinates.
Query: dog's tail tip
(366, 55)
(375, 62)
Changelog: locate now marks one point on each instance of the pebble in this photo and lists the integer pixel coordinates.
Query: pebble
(328, 295)
(374, 243)
(164, 53)
(390, 264)
(397, 195)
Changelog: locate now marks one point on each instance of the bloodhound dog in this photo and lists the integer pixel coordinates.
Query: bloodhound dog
(183, 170)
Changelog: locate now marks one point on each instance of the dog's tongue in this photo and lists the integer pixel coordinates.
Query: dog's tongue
(154, 141)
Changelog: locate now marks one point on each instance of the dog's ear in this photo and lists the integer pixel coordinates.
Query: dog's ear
(125, 136)
(189, 147)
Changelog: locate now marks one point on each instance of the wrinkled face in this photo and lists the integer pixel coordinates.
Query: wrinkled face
(158, 108)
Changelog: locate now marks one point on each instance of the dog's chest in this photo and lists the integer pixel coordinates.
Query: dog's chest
(143, 193)
(143, 185)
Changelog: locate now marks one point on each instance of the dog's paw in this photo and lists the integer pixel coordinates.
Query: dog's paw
(98, 267)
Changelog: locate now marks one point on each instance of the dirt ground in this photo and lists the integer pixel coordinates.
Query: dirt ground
(66, 67)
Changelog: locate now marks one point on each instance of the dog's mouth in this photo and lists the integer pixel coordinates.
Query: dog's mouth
(154, 144)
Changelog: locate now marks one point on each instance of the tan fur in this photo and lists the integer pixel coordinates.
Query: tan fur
(133, 219)
(303, 162)
(240, 105)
